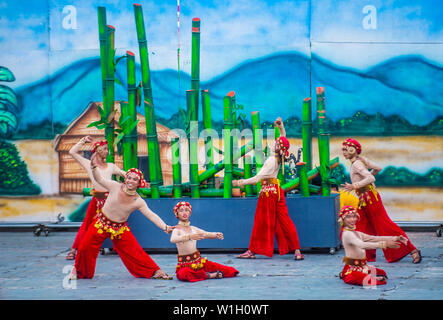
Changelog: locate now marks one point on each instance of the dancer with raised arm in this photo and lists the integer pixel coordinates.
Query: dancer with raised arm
(99, 192)
(111, 223)
(356, 270)
(191, 266)
(374, 219)
(271, 215)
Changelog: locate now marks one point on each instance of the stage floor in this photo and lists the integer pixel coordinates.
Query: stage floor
(33, 268)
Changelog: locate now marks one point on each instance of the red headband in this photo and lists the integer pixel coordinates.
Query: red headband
(347, 210)
(142, 182)
(353, 143)
(181, 204)
(284, 145)
(98, 144)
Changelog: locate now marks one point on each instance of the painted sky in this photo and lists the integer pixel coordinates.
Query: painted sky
(39, 37)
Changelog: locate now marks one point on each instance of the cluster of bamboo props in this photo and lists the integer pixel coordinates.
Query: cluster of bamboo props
(305, 173)
(126, 134)
(200, 184)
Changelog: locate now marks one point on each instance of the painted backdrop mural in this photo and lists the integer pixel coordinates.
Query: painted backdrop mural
(380, 63)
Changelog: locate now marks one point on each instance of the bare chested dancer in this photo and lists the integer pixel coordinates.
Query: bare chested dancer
(191, 266)
(111, 223)
(99, 192)
(356, 270)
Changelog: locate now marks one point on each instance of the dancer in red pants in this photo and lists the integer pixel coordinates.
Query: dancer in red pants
(374, 219)
(111, 223)
(99, 192)
(271, 216)
(356, 270)
(191, 266)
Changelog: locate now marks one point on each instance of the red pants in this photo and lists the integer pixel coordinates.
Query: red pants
(375, 221)
(186, 273)
(91, 212)
(135, 259)
(354, 275)
(272, 218)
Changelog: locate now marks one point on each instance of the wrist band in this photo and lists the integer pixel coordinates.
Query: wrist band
(382, 244)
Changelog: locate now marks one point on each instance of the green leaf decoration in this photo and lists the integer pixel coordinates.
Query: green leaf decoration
(6, 74)
(8, 123)
(131, 127)
(8, 94)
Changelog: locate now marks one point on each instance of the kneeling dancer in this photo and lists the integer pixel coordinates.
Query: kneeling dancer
(356, 270)
(191, 266)
(111, 223)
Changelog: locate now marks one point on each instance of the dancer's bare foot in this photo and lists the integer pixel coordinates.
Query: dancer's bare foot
(161, 275)
(247, 255)
(215, 275)
(298, 255)
(71, 254)
(416, 256)
(73, 275)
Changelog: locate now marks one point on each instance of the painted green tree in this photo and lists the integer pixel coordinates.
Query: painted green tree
(14, 177)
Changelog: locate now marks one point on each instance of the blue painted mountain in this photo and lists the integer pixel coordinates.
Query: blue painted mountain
(407, 87)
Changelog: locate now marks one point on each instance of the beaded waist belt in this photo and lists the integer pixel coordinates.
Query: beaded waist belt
(99, 194)
(104, 224)
(193, 261)
(355, 262)
(364, 195)
(270, 186)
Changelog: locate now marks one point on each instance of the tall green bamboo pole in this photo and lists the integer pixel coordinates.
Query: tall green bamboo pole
(247, 165)
(176, 168)
(191, 102)
(227, 140)
(156, 176)
(109, 91)
(234, 126)
(257, 136)
(323, 143)
(103, 36)
(303, 178)
(195, 58)
(130, 141)
(307, 133)
(207, 124)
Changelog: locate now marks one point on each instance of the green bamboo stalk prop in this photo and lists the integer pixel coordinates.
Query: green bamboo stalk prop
(210, 172)
(234, 126)
(323, 143)
(307, 133)
(195, 58)
(257, 135)
(220, 165)
(207, 124)
(151, 129)
(227, 140)
(238, 172)
(129, 110)
(162, 192)
(176, 168)
(247, 165)
(303, 178)
(191, 102)
(109, 92)
(311, 175)
(103, 36)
